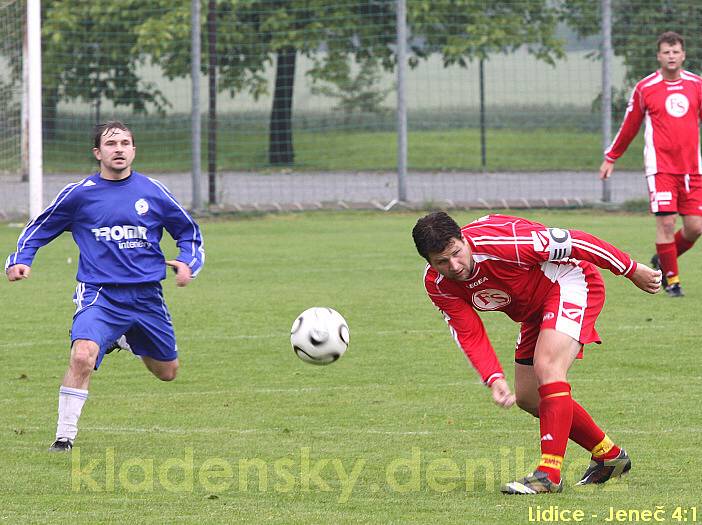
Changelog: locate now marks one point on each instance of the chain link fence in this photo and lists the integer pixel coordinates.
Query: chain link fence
(299, 100)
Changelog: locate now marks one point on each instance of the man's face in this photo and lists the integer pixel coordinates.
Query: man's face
(670, 58)
(116, 151)
(454, 262)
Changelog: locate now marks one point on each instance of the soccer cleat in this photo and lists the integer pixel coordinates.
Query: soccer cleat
(656, 265)
(600, 471)
(535, 483)
(119, 344)
(61, 445)
(674, 290)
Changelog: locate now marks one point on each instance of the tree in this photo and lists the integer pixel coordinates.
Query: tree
(253, 35)
(90, 53)
(354, 92)
(11, 52)
(637, 48)
(465, 30)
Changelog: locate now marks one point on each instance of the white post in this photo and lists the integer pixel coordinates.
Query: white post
(34, 107)
(606, 88)
(401, 17)
(195, 123)
(24, 170)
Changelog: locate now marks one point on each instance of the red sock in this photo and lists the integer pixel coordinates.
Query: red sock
(555, 419)
(668, 259)
(681, 243)
(585, 432)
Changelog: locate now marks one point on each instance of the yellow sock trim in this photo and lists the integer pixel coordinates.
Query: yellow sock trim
(673, 279)
(602, 447)
(557, 394)
(551, 461)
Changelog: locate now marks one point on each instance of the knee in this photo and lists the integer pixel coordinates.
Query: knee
(83, 356)
(168, 374)
(542, 371)
(547, 371)
(693, 232)
(667, 225)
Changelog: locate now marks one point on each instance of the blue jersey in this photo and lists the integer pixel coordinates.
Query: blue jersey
(117, 226)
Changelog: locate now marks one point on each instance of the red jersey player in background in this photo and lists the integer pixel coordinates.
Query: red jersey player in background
(670, 101)
(547, 280)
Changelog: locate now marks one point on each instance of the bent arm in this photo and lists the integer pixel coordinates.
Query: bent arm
(186, 232)
(558, 244)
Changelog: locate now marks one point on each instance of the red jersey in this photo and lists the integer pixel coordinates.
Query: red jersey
(516, 264)
(671, 110)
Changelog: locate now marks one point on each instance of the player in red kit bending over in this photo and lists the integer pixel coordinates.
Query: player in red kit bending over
(547, 280)
(670, 102)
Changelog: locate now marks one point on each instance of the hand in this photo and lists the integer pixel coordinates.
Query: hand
(183, 272)
(646, 278)
(606, 169)
(501, 393)
(18, 271)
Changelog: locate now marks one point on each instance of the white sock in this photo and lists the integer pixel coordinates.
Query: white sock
(70, 404)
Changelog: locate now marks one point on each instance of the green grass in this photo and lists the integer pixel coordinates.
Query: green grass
(167, 149)
(403, 390)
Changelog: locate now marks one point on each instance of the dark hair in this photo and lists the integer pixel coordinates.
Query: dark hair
(433, 233)
(671, 38)
(101, 129)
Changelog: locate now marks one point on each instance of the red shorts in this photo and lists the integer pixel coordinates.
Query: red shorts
(571, 307)
(675, 193)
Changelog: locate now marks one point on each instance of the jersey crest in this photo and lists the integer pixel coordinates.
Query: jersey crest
(141, 206)
(490, 299)
(677, 104)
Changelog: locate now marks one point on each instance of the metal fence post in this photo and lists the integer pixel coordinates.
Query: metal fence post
(195, 118)
(401, 101)
(212, 120)
(483, 144)
(606, 88)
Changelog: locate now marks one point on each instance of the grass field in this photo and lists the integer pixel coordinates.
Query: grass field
(168, 150)
(398, 431)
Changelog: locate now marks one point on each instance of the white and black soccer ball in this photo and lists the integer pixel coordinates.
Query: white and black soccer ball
(319, 335)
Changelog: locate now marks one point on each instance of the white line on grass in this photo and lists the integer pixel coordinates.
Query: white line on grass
(339, 431)
(208, 337)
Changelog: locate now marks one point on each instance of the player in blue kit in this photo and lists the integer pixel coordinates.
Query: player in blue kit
(116, 217)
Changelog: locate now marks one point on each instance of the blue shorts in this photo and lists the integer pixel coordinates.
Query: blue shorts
(104, 313)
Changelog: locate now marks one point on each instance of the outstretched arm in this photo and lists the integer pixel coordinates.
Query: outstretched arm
(41, 230)
(467, 330)
(538, 244)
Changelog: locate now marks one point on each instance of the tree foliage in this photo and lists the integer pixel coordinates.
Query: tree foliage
(354, 91)
(465, 30)
(90, 52)
(636, 47)
(253, 35)
(93, 49)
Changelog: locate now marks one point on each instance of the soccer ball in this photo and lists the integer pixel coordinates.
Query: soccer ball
(319, 335)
